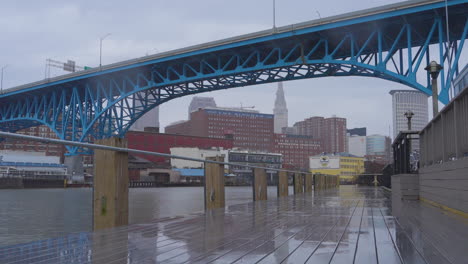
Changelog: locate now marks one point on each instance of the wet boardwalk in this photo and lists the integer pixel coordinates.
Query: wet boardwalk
(350, 225)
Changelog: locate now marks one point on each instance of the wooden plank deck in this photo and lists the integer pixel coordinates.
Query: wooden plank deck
(349, 225)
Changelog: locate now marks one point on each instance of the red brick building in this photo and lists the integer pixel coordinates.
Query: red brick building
(331, 132)
(249, 130)
(296, 149)
(159, 142)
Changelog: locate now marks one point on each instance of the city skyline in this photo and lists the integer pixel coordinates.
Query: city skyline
(77, 38)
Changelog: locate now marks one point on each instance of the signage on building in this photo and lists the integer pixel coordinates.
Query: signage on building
(325, 162)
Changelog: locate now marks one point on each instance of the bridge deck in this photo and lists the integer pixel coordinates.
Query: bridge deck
(334, 226)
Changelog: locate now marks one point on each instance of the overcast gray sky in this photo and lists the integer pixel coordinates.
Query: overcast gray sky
(32, 31)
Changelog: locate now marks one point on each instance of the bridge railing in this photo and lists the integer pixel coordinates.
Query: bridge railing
(445, 138)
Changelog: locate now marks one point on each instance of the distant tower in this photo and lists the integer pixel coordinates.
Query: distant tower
(200, 102)
(280, 111)
(150, 120)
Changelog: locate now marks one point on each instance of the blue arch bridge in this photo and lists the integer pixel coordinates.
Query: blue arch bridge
(393, 42)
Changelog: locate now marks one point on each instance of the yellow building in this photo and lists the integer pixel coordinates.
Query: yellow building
(345, 165)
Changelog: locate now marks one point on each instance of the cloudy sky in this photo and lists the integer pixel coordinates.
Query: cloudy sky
(32, 31)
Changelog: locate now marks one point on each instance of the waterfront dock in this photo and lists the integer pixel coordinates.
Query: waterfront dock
(345, 225)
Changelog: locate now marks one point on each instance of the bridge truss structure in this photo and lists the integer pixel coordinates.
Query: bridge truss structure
(393, 42)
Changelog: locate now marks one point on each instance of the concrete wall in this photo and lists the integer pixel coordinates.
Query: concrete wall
(405, 186)
(446, 184)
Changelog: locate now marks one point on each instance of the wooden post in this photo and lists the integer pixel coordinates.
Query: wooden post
(110, 194)
(214, 184)
(298, 183)
(308, 183)
(260, 185)
(283, 184)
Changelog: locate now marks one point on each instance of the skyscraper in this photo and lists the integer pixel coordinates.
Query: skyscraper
(280, 110)
(404, 100)
(200, 102)
(148, 120)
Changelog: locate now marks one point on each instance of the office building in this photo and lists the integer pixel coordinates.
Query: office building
(296, 149)
(359, 131)
(280, 111)
(250, 130)
(199, 102)
(357, 145)
(404, 100)
(149, 121)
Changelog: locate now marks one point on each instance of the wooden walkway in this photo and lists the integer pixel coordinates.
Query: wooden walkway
(349, 225)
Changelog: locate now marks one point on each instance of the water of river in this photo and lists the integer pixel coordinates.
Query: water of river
(33, 214)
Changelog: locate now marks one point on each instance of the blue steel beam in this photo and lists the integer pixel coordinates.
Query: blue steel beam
(108, 103)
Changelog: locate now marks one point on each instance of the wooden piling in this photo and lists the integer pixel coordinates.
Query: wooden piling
(259, 184)
(298, 183)
(214, 184)
(283, 188)
(308, 183)
(110, 194)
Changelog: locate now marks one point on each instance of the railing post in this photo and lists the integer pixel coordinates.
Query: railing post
(110, 192)
(214, 184)
(259, 184)
(283, 188)
(298, 183)
(308, 182)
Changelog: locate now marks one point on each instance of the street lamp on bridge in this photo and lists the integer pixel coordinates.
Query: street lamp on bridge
(434, 69)
(100, 48)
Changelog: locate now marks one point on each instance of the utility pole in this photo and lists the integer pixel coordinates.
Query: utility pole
(1, 81)
(274, 15)
(100, 48)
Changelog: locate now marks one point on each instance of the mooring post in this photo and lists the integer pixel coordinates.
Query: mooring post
(214, 184)
(308, 182)
(283, 184)
(298, 183)
(110, 194)
(259, 184)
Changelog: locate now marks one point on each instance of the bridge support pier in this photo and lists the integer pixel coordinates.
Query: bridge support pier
(283, 188)
(214, 184)
(308, 182)
(298, 183)
(259, 185)
(110, 194)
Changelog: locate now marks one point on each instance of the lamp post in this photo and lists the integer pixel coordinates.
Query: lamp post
(100, 48)
(409, 114)
(1, 81)
(434, 68)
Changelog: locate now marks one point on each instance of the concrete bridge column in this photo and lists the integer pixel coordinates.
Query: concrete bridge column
(214, 184)
(283, 188)
(259, 185)
(308, 182)
(110, 194)
(298, 183)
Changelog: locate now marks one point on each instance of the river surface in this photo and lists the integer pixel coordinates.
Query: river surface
(33, 214)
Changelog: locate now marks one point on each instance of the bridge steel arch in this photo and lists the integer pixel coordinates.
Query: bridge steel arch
(394, 45)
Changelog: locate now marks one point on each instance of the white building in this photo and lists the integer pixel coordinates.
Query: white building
(280, 110)
(195, 153)
(404, 100)
(357, 145)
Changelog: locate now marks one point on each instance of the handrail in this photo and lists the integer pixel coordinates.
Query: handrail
(128, 150)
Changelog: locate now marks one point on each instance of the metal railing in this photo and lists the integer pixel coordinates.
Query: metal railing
(445, 138)
(136, 151)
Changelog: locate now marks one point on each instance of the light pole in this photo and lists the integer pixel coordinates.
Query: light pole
(434, 68)
(274, 14)
(100, 48)
(409, 114)
(1, 81)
